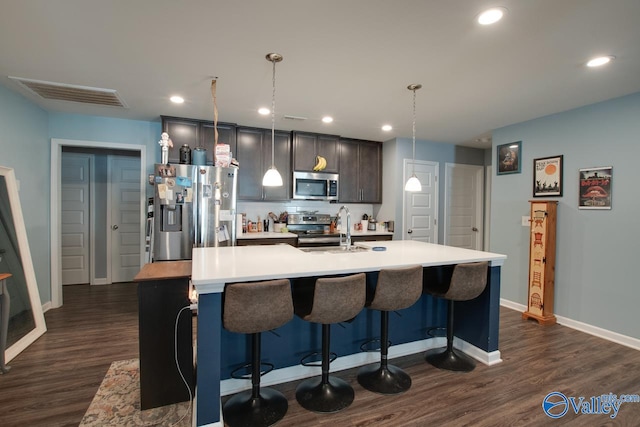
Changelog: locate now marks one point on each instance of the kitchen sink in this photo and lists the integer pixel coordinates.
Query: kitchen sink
(336, 249)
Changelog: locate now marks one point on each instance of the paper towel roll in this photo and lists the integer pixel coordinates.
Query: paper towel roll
(239, 225)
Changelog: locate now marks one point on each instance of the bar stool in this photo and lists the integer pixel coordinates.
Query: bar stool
(396, 289)
(252, 308)
(334, 300)
(467, 282)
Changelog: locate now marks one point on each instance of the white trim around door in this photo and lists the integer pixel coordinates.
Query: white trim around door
(56, 153)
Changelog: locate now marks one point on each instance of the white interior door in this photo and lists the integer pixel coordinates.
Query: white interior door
(421, 207)
(464, 188)
(125, 218)
(74, 206)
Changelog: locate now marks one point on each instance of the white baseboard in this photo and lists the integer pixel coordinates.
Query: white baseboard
(101, 281)
(297, 372)
(46, 306)
(513, 305)
(615, 337)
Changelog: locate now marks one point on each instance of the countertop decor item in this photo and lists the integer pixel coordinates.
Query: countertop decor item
(413, 183)
(272, 177)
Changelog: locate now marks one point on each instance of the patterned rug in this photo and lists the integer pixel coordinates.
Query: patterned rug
(117, 402)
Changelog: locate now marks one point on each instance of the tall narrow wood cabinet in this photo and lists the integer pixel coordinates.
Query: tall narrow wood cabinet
(542, 261)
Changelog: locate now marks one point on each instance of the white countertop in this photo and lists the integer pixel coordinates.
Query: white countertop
(213, 267)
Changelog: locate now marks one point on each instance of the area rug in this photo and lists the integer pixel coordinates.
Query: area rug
(117, 402)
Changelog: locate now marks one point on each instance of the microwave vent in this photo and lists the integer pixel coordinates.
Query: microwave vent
(73, 93)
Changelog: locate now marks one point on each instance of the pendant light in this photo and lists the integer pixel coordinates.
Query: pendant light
(272, 177)
(413, 183)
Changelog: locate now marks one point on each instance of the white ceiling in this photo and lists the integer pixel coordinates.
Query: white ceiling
(351, 59)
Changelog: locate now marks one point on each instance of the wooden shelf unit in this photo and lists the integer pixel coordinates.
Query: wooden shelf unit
(542, 261)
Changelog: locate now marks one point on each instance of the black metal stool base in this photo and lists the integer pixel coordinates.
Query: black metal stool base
(333, 396)
(450, 360)
(384, 380)
(266, 410)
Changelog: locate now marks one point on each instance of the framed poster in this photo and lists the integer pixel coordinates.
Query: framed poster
(509, 158)
(595, 188)
(547, 177)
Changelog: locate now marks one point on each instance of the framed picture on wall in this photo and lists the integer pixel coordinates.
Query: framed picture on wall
(595, 188)
(547, 177)
(509, 158)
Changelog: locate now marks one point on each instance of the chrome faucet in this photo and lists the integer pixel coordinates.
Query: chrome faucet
(348, 233)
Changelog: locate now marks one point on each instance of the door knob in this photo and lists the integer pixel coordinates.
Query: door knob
(474, 229)
(114, 227)
(409, 231)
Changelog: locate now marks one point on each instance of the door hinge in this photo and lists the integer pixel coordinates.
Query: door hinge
(435, 221)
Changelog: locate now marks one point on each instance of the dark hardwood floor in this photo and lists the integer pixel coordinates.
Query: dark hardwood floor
(53, 381)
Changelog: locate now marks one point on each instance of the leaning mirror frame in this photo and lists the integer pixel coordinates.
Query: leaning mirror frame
(27, 267)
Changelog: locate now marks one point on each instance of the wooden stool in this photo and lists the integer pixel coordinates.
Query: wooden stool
(396, 289)
(467, 282)
(252, 308)
(334, 300)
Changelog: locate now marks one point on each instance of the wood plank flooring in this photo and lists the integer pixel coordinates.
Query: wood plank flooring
(53, 381)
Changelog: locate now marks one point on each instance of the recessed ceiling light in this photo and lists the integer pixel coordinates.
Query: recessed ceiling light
(177, 99)
(327, 119)
(387, 128)
(601, 60)
(491, 16)
(264, 111)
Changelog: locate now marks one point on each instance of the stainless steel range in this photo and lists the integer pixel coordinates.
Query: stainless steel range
(312, 229)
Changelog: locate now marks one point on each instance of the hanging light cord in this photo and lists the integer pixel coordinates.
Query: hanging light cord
(413, 168)
(273, 116)
(215, 113)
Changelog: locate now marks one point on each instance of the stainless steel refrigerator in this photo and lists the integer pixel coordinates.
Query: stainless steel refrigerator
(194, 206)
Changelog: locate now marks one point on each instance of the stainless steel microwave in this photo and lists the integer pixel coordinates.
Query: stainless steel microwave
(315, 186)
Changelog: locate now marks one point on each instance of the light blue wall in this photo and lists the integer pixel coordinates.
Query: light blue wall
(106, 129)
(25, 134)
(24, 146)
(393, 154)
(597, 251)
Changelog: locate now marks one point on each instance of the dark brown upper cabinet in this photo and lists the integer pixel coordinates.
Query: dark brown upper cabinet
(197, 133)
(306, 146)
(254, 157)
(360, 171)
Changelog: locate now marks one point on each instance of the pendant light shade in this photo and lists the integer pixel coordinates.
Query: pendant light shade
(272, 177)
(413, 183)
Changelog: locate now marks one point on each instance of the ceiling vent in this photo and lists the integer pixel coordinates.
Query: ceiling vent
(65, 92)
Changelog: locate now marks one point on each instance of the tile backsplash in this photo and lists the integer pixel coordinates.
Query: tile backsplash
(255, 209)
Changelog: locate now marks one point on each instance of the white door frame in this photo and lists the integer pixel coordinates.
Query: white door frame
(488, 174)
(55, 226)
(448, 167)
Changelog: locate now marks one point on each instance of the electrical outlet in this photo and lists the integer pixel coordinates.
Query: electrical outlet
(526, 220)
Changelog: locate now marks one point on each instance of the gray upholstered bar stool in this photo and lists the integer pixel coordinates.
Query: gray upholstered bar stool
(396, 289)
(333, 300)
(252, 308)
(467, 282)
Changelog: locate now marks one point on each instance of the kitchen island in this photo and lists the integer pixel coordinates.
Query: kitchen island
(476, 320)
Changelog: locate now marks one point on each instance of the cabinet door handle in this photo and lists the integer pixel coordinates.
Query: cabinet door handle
(474, 229)
(409, 231)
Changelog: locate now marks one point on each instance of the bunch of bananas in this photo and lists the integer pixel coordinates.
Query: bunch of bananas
(321, 163)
